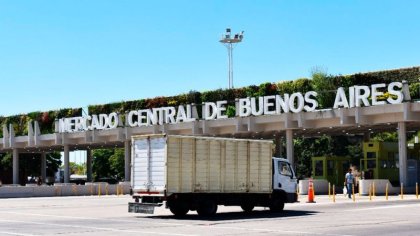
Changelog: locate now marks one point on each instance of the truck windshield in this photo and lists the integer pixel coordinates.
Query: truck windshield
(284, 169)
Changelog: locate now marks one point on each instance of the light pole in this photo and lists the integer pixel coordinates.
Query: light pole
(229, 42)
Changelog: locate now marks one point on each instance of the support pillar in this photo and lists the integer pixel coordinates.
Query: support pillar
(402, 150)
(15, 166)
(127, 160)
(89, 165)
(289, 147)
(43, 166)
(66, 164)
(278, 151)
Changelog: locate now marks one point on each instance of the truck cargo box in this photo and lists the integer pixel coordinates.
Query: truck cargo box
(167, 164)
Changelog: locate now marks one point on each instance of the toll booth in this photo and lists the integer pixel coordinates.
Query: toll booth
(331, 168)
(381, 161)
(413, 173)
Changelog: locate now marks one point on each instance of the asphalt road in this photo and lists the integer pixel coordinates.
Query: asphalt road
(107, 215)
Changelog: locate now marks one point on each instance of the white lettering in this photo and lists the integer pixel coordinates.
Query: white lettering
(362, 93)
(394, 92)
(210, 111)
(220, 109)
(113, 120)
(340, 99)
(244, 107)
(375, 94)
(296, 106)
(310, 100)
(130, 118)
(181, 116)
(257, 110)
(282, 103)
(268, 105)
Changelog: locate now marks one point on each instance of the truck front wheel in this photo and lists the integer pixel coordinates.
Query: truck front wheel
(179, 208)
(277, 205)
(207, 208)
(247, 207)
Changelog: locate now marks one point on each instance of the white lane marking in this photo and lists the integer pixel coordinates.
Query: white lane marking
(16, 234)
(384, 207)
(90, 218)
(282, 231)
(178, 224)
(94, 228)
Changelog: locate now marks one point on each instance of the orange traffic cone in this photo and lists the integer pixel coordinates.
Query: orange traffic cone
(311, 194)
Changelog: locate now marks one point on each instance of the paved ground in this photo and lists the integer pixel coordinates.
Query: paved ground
(107, 215)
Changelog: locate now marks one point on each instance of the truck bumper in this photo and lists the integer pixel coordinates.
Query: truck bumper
(146, 208)
(291, 197)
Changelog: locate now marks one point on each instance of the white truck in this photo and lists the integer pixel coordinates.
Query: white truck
(194, 173)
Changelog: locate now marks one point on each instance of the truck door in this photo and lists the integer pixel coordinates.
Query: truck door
(149, 164)
(284, 177)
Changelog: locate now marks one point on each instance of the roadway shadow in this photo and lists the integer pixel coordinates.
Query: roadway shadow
(256, 214)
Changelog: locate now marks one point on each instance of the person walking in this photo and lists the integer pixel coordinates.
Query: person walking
(349, 182)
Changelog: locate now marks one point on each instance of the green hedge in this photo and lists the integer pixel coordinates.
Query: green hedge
(45, 120)
(322, 83)
(325, 85)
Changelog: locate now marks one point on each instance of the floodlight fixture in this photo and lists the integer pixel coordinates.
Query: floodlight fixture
(229, 42)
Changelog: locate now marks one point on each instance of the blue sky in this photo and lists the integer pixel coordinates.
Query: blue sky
(56, 54)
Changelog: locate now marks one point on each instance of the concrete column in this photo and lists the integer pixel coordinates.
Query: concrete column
(277, 141)
(127, 160)
(289, 147)
(44, 166)
(402, 150)
(89, 165)
(15, 166)
(66, 164)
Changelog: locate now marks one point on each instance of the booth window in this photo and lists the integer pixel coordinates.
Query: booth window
(330, 168)
(370, 155)
(319, 168)
(371, 164)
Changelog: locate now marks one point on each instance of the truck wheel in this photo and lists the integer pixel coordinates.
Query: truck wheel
(179, 208)
(277, 206)
(247, 207)
(207, 208)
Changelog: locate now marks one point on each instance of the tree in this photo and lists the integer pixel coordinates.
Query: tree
(306, 148)
(53, 160)
(116, 162)
(324, 86)
(78, 169)
(101, 167)
(385, 137)
(108, 163)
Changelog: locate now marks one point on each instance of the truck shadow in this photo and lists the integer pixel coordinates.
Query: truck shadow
(256, 214)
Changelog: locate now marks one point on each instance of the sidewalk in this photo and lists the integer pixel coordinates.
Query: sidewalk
(340, 198)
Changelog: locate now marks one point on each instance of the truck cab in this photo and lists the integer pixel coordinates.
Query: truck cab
(284, 178)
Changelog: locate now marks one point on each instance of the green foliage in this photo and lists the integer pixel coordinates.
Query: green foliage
(302, 85)
(323, 84)
(267, 89)
(415, 90)
(6, 161)
(108, 163)
(45, 120)
(116, 162)
(385, 137)
(306, 148)
(78, 169)
(231, 111)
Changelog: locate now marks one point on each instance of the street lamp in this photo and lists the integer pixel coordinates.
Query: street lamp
(229, 42)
